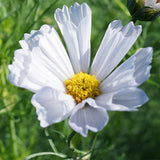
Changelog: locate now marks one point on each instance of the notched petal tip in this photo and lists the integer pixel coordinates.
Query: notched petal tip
(75, 5)
(130, 29)
(26, 36)
(32, 40)
(61, 15)
(46, 28)
(86, 9)
(116, 23)
(149, 50)
(17, 69)
(83, 6)
(88, 116)
(138, 29)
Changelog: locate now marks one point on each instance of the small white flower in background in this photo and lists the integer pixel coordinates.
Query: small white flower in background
(64, 86)
(152, 3)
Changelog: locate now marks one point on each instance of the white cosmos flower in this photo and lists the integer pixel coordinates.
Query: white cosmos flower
(152, 3)
(62, 88)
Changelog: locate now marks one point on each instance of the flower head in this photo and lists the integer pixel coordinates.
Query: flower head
(155, 4)
(144, 10)
(63, 84)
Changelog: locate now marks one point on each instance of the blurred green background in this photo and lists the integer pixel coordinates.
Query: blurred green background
(128, 135)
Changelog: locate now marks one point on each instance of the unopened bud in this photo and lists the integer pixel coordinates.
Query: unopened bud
(144, 10)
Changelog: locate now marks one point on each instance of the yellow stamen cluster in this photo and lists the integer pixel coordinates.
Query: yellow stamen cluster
(82, 86)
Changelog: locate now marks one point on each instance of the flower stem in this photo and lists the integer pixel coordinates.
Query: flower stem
(153, 83)
(13, 138)
(123, 7)
(45, 153)
(93, 142)
(51, 141)
(88, 154)
(70, 139)
(84, 154)
(70, 145)
(7, 109)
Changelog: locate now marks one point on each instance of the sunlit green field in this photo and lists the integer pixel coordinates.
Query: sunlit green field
(128, 135)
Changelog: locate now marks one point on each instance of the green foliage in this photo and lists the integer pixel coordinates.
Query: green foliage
(128, 136)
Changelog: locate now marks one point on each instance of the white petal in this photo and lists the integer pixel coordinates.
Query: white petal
(75, 26)
(43, 61)
(152, 4)
(30, 73)
(142, 67)
(52, 106)
(116, 43)
(127, 99)
(48, 40)
(88, 116)
(132, 73)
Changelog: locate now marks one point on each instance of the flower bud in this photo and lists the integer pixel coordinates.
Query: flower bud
(144, 10)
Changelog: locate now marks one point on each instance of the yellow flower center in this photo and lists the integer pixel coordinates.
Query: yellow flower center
(82, 86)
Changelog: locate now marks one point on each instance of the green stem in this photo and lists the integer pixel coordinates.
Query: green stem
(123, 7)
(72, 147)
(85, 154)
(70, 139)
(7, 109)
(13, 138)
(51, 141)
(153, 83)
(45, 154)
(93, 141)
